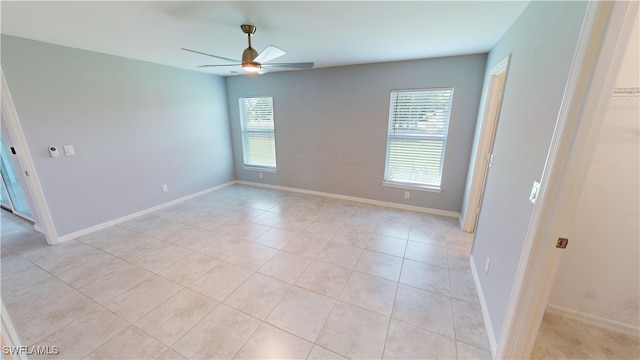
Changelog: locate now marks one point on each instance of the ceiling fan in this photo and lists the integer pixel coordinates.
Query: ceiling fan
(254, 62)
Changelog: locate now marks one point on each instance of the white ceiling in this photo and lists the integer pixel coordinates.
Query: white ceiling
(327, 33)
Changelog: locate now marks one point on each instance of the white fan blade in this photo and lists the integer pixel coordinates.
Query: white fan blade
(268, 54)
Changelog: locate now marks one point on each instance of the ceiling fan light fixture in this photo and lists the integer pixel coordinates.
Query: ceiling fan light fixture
(251, 66)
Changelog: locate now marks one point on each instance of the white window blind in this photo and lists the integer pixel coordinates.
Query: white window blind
(418, 126)
(258, 134)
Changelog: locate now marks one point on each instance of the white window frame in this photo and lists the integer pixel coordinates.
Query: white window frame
(435, 186)
(246, 133)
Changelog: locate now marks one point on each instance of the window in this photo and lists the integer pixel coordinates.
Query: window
(418, 126)
(258, 136)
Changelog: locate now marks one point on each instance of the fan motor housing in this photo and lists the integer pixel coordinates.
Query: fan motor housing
(249, 54)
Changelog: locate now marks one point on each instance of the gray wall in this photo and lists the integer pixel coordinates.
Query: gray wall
(134, 126)
(542, 43)
(331, 126)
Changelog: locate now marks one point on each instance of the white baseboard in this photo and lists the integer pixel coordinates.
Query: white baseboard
(595, 320)
(116, 221)
(493, 342)
(353, 198)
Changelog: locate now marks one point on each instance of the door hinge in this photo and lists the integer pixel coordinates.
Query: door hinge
(562, 243)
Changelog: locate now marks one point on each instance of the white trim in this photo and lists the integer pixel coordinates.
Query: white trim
(119, 220)
(406, 186)
(594, 320)
(493, 344)
(41, 212)
(356, 199)
(603, 39)
(9, 336)
(487, 127)
(261, 169)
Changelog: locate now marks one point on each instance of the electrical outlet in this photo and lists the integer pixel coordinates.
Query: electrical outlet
(261, 175)
(165, 188)
(487, 264)
(407, 194)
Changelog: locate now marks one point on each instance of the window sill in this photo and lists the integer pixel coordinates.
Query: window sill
(261, 169)
(411, 186)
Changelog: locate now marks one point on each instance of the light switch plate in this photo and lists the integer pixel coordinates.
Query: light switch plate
(534, 192)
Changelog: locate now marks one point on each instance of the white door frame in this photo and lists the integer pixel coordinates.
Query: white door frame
(490, 116)
(41, 213)
(600, 51)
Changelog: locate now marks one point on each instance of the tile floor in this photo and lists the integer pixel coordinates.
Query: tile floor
(564, 338)
(247, 272)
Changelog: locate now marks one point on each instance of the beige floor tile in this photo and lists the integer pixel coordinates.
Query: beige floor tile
(353, 235)
(113, 239)
(189, 268)
(320, 353)
(44, 308)
(340, 254)
(322, 230)
(221, 281)
(115, 283)
(295, 223)
(426, 253)
(276, 238)
(427, 235)
(248, 230)
(370, 292)
(252, 256)
(305, 245)
(469, 324)
(393, 228)
(63, 257)
(285, 266)
(268, 218)
(170, 354)
(381, 265)
(387, 244)
(458, 260)
(230, 329)
(23, 279)
(470, 352)
(425, 276)
(222, 247)
(561, 337)
(92, 270)
(258, 295)
(269, 342)
(354, 332)
(75, 342)
(156, 260)
(142, 298)
(409, 342)
(173, 318)
(130, 343)
(189, 237)
(310, 241)
(462, 286)
(324, 278)
(424, 309)
(302, 313)
(12, 263)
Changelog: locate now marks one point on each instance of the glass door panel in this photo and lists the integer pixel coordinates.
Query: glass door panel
(12, 186)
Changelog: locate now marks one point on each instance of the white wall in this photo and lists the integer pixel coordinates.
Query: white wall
(542, 43)
(134, 126)
(331, 126)
(600, 270)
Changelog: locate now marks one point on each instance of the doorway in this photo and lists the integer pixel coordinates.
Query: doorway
(483, 157)
(12, 196)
